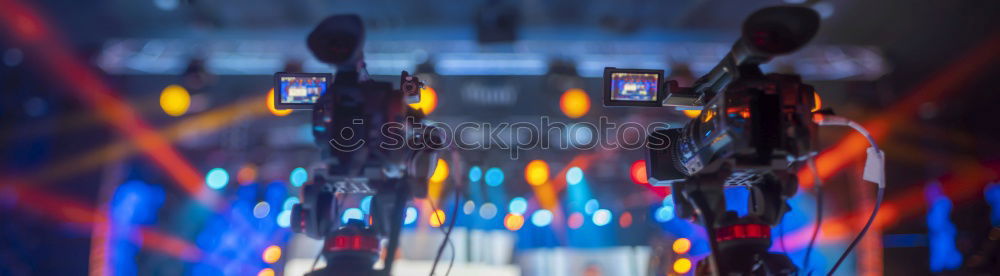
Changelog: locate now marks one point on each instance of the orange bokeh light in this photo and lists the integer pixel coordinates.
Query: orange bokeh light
(625, 220)
(247, 174)
(437, 218)
(266, 272)
(638, 172)
(682, 245)
(440, 172)
(513, 222)
(692, 113)
(270, 105)
(428, 100)
(272, 254)
(536, 172)
(574, 103)
(682, 265)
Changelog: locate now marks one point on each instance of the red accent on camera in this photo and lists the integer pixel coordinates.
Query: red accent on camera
(352, 243)
(743, 231)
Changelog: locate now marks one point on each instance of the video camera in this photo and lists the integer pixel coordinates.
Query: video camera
(751, 134)
(350, 115)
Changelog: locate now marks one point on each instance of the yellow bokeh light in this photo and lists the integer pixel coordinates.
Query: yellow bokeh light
(440, 172)
(692, 113)
(175, 100)
(266, 272)
(270, 105)
(682, 245)
(272, 254)
(428, 100)
(536, 172)
(436, 219)
(574, 103)
(818, 102)
(513, 222)
(682, 265)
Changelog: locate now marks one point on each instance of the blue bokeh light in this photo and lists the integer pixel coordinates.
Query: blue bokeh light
(290, 202)
(298, 177)
(541, 218)
(494, 177)
(475, 174)
(366, 204)
(352, 213)
(285, 218)
(574, 175)
(217, 178)
(518, 205)
(411, 215)
(591, 206)
(602, 217)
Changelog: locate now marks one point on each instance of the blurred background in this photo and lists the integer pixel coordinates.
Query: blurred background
(137, 138)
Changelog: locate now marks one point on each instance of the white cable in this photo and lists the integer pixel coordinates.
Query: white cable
(874, 172)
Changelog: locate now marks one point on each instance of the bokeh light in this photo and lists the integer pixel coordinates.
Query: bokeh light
(494, 177)
(261, 209)
(217, 178)
(247, 174)
(428, 100)
(352, 213)
(440, 172)
(513, 222)
(284, 218)
(436, 219)
(270, 105)
(518, 205)
(411, 215)
(682, 265)
(488, 211)
(574, 103)
(469, 207)
(692, 113)
(366, 204)
(591, 206)
(575, 220)
(625, 220)
(266, 272)
(541, 218)
(272, 254)
(602, 217)
(290, 202)
(298, 177)
(682, 245)
(475, 174)
(664, 213)
(536, 172)
(638, 172)
(574, 175)
(175, 100)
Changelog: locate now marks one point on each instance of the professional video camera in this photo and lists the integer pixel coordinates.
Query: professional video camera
(753, 133)
(349, 123)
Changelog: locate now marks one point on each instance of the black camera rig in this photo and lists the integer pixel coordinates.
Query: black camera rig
(752, 133)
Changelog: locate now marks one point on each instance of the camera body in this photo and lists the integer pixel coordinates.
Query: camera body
(750, 137)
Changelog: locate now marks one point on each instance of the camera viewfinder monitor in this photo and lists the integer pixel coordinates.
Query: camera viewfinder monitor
(633, 87)
(299, 90)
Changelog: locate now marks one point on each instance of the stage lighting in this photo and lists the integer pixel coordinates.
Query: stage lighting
(440, 172)
(591, 206)
(682, 245)
(574, 175)
(602, 217)
(475, 174)
(284, 218)
(437, 218)
(217, 178)
(428, 100)
(682, 265)
(289, 202)
(469, 207)
(625, 220)
(518, 205)
(411, 215)
(574, 103)
(175, 100)
(494, 177)
(269, 102)
(541, 218)
(513, 222)
(638, 172)
(488, 211)
(352, 213)
(366, 204)
(298, 177)
(575, 220)
(272, 254)
(664, 213)
(261, 209)
(536, 172)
